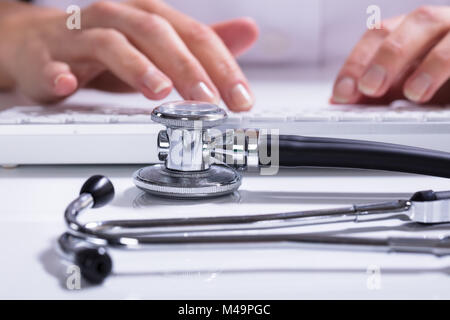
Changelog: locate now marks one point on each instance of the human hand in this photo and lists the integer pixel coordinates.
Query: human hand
(142, 45)
(408, 58)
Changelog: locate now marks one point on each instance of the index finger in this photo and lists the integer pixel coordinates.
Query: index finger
(212, 53)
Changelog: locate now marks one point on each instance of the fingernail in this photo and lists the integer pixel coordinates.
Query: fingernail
(372, 80)
(58, 78)
(155, 81)
(418, 86)
(63, 84)
(240, 97)
(344, 90)
(201, 92)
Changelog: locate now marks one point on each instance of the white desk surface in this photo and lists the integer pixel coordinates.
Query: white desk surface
(33, 199)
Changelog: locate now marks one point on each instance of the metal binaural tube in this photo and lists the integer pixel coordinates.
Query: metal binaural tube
(249, 222)
(83, 202)
(238, 148)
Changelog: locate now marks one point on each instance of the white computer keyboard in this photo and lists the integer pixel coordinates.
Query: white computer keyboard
(121, 131)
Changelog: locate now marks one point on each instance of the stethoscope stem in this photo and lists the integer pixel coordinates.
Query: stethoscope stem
(438, 247)
(250, 222)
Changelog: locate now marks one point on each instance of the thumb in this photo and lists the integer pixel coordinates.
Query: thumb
(49, 81)
(237, 34)
(58, 81)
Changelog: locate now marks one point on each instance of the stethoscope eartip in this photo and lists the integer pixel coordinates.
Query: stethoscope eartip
(100, 188)
(95, 264)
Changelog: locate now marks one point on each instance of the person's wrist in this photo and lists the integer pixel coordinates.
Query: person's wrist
(14, 31)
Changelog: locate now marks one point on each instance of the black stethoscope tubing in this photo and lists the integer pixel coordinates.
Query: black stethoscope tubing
(299, 151)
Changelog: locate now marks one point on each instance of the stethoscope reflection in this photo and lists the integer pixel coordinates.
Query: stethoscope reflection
(145, 200)
(136, 198)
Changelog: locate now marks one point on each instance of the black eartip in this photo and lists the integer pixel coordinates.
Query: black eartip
(95, 264)
(101, 189)
(424, 196)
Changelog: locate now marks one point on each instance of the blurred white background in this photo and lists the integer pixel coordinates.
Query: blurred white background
(292, 31)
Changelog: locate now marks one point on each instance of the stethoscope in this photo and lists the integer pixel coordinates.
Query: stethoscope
(200, 161)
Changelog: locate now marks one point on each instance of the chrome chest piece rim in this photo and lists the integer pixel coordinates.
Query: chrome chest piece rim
(189, 114)
(218, 180)
(187, 171)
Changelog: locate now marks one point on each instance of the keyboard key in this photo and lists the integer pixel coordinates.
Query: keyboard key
(439, 116)
(392, 116)
(4, 120)
(47, 120)
(313, 117)
(234, 119)
(265, 118)
(23, 120)
(135, 118)
(89, 118)
(359, 117)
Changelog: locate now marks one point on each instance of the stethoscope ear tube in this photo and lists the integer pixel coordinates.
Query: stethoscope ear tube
(297, 151)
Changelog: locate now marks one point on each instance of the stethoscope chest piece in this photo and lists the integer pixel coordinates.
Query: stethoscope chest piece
(216, 181)
(187, 171)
